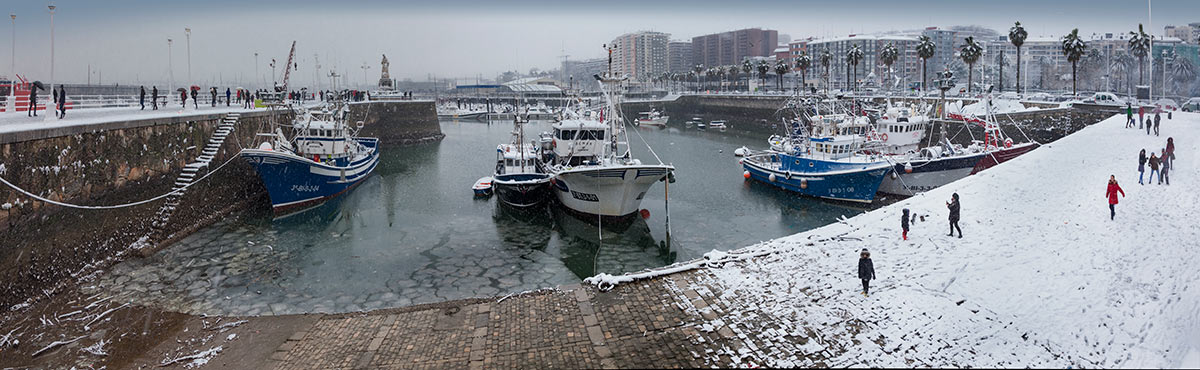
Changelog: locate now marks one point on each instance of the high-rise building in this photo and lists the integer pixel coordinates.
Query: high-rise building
(871, 71)
(640, 55)
(729, 48)
(944, 48)
(679, 57)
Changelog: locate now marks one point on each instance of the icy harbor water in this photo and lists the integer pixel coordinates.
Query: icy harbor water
(413, 234)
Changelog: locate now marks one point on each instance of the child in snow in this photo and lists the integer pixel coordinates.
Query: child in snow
(1141, 166)
(1111, 193)
(866, 270)
(904, 224)
(1153, 165)
(953, 206)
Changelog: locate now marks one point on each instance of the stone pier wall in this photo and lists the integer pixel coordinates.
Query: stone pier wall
(398, 122)
(103, 164)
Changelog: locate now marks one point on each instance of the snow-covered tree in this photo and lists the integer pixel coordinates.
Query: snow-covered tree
(1073, 48)
(762, 68)
(1139, 45)
(826, 59)
(970, 53)
(733, 72)
(803, 62)
(1184, 74)
(781, 68)
(925, 50)
(853, 56)
(888, 56)
(1017, 36)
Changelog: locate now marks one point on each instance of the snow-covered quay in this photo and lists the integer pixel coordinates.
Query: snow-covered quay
(1042, 277)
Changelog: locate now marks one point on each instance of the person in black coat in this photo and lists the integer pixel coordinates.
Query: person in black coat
(142, 97)
(1157, 120)
(904, 224)
(228, 94)
(195, 101)
(213, 91)
(1141, 166)
(154, 97)
(62, 102)
(866, 270)
(32, 102)
(953, 206)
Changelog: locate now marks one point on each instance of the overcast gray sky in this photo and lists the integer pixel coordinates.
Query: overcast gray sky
(126, 41)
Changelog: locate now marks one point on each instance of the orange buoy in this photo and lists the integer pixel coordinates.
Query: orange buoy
(645, 214)
(746, 174)
(804, 183)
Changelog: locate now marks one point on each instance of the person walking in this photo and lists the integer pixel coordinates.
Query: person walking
(1157, 120)
(866, 271)
(1111, 193)
(154, 97)
(1171, 149)
(227, 96)
(195, 100)
(32, 101)
(1141, 166)
(183, 97)
(1128, 115)
(62, 101)
(54, 99)
(954, 216)
(1154, 161)
(904, 224)
(213, 92)
(1165, 173)
(142, 97)
(1142, 118)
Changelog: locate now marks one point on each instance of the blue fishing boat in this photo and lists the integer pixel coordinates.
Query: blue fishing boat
(322, 159)
(822, 162)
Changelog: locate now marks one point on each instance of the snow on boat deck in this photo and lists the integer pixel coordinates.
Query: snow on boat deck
(1042, 277)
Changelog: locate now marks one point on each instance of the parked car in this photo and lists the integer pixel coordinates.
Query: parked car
(1192, 105)
(1104, 98)
(1165, 104)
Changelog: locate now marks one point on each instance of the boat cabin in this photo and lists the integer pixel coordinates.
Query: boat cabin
(579, 141)
(833, 147)
(322, 138)
(509, 159)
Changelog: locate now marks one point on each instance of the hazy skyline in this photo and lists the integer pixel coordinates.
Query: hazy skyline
(126, 41)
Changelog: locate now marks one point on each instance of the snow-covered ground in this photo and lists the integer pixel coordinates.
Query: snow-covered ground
(17, 122)
(1042, 277)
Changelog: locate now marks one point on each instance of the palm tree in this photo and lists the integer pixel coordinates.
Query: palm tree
(1073, 48)
(826, 58)
(1139, 45)
(1183, 72)
(925, 50)
(888, 56)
(1121, 65)
(732, 71)
(762, 68)
(698, 71)
(970, 53)
(853, 56)
(782, 67)
(803, 62)
(1017, 36)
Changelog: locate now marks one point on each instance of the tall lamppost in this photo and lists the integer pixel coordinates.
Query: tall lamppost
(170, 69)
(52, 7)
(12, 88)
(256, 69)
(188, 32)
(365, 67)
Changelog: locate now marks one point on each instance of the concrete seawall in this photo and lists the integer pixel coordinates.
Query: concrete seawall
(398, 122)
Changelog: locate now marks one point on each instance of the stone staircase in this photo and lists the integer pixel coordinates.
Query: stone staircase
(191, 172)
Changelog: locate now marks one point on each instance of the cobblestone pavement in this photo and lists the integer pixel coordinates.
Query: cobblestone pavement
(647, 324)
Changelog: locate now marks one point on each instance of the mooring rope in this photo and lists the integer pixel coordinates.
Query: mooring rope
(76, 206)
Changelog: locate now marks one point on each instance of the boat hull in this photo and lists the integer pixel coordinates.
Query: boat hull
(606, 191)
(295, 183)
(854, 185)
(522, 190)
(928, 174)
(1002, 155)
(656, 122)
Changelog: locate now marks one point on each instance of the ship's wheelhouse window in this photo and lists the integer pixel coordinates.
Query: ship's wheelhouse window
(567, 134)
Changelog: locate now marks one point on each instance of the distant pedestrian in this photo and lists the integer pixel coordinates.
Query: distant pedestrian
(213, 92)
(62, 101)
(1165, 173)
(1154, 162)
(866, 270)
(142, 97)
(904, 224)
(54, 100)
(1128, 115)
(1111, 193)
(195, 100)
(1157, 120)
(1171, 149)
(1141, 166)
(154, 97)
(1142, 118)
(1149, 127)
(32, 101)
(183, 97)
(954, 215)
(227, 96)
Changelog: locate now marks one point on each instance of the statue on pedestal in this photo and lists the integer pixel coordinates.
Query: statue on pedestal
(385, 81)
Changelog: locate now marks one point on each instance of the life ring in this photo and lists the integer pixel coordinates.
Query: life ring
(884, 137)
(1008, 143)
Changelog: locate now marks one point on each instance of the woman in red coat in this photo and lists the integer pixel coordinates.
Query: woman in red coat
(1113, 189)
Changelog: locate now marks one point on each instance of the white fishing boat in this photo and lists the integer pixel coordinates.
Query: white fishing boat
(899, 129)
(594, 170)
(652, 118)
(717, 124)
(519, 180)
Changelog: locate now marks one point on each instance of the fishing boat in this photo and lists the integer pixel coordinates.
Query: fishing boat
(519, 180)
(652, 118)
(900, 129)
(930, 168)
(323, 158)
(821, 162)
(594, 170)
(717, 124)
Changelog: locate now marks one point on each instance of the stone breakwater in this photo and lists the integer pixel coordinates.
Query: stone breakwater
(398, 122)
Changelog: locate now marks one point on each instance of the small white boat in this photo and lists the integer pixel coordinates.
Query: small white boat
(741, 152)
(717, 124)
(483, 186)
(652, 118)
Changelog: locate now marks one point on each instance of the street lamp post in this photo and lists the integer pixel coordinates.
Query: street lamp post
(256, 69)
(52, 7)
(12, 88)
(170, 69)
(188, 32)
(365, 67)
